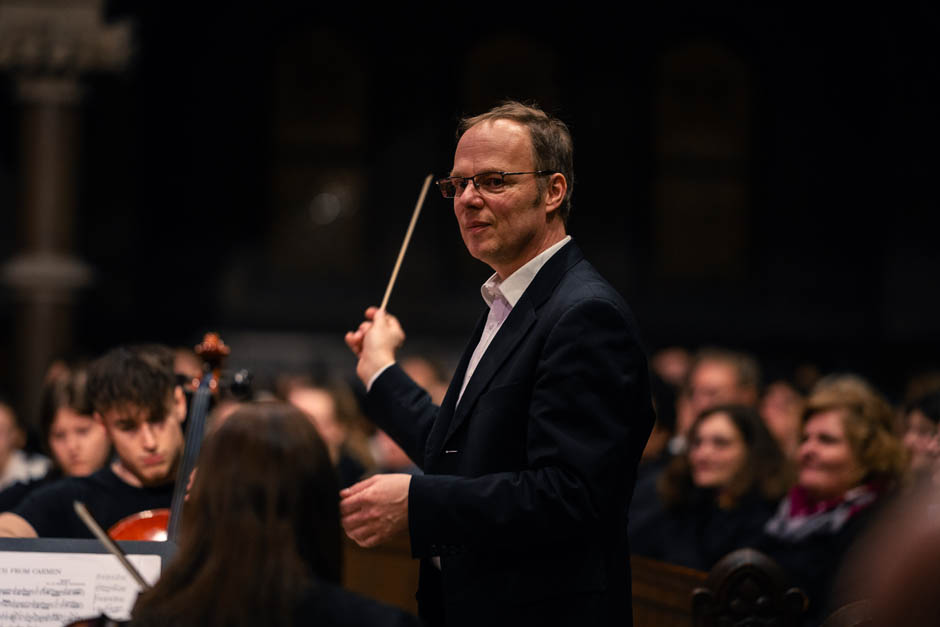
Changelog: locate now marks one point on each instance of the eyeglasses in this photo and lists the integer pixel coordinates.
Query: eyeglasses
(487, 182)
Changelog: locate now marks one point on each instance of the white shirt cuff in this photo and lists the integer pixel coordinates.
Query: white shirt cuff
(377, 375)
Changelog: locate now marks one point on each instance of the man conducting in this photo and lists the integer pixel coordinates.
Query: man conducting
(530, 459)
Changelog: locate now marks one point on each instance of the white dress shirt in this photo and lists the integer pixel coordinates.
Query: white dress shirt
(501, 296)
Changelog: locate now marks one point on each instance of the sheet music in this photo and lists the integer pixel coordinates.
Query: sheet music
(51, 589)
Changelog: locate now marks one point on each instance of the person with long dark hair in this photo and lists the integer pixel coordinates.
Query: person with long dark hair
(718, 495)
(260, 536)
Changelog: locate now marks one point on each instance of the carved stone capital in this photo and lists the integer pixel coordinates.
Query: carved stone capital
(61, 37)
(46, 274)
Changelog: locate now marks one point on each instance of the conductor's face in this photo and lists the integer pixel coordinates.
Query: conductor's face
(504, 223)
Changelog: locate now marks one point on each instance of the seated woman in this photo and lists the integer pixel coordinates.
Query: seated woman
(849, 461)
(718, 495)
(260, 537)
(922, 440)
(77, 443)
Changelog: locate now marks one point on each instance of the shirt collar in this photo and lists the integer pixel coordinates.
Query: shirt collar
(512, 288)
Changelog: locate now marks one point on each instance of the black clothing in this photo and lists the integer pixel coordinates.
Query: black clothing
(646, 508)
(528, 478)
(700, 533)
(109, 499)
(13, 495)
(349, 470)
(327, 604)
(813, 563)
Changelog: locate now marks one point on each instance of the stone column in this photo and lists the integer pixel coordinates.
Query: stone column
(47, 45)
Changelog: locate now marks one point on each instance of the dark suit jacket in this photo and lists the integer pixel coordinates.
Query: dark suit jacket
(528, 479)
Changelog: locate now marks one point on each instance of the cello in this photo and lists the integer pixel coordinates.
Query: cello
(163, 524)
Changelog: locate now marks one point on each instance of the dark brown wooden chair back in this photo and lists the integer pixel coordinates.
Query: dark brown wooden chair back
(747, 589)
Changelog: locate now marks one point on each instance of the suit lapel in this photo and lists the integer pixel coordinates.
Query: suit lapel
(520, 319)
(436, 438)
(517, 325)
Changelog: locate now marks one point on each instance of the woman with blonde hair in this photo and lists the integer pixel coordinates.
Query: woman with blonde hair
(849, 461)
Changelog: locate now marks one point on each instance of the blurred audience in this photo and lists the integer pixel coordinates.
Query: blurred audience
(430, 376)
(332, 409)
(15, 463)
(671, 365)
(717, 376)
(922, 439)
(717, 496)
(781, 407)
(849, 461)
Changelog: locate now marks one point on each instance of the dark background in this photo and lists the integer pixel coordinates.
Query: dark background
(762, 178)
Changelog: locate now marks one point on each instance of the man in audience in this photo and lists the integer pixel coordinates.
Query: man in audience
(134, 394)
(717, 376)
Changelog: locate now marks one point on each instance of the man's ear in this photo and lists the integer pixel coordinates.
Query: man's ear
(555, 194)
(179, 404)
(97, 417)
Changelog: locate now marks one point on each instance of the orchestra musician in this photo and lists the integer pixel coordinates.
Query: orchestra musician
(260, 536)
(531, 457)
(77, 443)
(134, 393)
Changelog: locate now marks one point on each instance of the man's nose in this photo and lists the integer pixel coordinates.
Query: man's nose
(148, 437)
(469, 194)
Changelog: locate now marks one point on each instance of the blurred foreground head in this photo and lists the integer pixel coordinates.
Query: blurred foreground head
(261, 523)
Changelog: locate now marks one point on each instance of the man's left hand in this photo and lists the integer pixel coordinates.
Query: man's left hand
(376, 509)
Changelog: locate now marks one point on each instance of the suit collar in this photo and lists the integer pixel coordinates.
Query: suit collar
(513, 331)
(515, 285)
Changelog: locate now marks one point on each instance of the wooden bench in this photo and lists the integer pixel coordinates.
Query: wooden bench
(662, 593)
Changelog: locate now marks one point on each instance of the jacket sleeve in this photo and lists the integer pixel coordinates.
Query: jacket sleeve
(403, 410)
(588, 417)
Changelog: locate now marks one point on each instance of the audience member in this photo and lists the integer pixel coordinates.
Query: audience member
(671, 365)
(717, 497)
(333, 410)
(922, 438)
(848, 462)
(717, 376)
(781, 407)
(388, 456)
(645, 507)
(15, 464)
(77, 443)
(260, 541)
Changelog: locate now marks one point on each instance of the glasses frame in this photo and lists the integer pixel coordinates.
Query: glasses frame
(473, 179)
